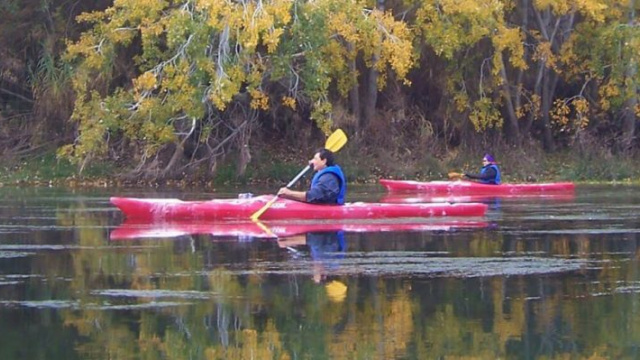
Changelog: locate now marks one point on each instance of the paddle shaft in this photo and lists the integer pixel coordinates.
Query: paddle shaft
(295, 179)
(266, 206)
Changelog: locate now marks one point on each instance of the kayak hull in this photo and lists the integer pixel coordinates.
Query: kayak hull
(461, 187)
(249, 229)
(283, 209)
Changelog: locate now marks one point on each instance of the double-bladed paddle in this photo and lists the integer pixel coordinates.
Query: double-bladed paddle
(334, 142)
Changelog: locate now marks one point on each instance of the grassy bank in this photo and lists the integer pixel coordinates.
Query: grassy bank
(517, 165)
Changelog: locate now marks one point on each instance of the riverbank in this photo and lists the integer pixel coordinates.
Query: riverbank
(278, 168)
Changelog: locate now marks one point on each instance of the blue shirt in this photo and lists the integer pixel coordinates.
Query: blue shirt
(325, 190)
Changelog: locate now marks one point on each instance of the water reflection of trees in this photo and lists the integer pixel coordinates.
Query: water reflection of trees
(271, 316)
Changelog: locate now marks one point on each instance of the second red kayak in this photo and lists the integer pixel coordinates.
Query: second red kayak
(460, 187)
(283, 209)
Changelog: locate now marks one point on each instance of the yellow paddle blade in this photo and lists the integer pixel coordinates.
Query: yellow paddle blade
(455, 175)
(336, 140)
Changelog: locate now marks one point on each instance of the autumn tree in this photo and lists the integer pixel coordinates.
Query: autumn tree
(602, 57)
(196, 78)
(522, 66)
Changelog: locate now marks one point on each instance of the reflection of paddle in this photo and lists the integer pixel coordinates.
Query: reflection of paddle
(265, 229)
(334, 143)
(336, 291)
(455, 175)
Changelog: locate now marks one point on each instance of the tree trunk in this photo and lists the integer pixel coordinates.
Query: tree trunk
(548, 90)
(371, 91)
(354, 93)
(512, 129)
(629, 117)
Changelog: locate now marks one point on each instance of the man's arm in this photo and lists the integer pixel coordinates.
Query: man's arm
(292, 194)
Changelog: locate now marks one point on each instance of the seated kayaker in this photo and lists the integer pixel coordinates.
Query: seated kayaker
(328, 185)
(489, 174)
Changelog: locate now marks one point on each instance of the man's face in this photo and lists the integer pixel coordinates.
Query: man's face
(318, 164)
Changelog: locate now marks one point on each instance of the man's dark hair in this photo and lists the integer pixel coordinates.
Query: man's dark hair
(326, 154)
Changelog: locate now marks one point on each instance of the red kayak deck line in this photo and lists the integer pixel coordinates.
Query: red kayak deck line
(141, 230)
(283, 209)
(461, 187)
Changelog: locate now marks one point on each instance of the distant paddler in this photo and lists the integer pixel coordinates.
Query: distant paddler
(489, 173)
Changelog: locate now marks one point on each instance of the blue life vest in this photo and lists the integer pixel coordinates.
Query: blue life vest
(336, 170)
(497, 179)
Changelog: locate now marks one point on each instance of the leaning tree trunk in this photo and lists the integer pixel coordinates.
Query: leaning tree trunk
(512, 128)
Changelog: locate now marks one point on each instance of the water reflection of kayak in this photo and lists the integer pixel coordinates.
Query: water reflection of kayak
(135, 229)
(461, 187)
(411, 198)
(283, 209)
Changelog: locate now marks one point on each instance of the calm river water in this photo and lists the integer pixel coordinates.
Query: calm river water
(553, 278)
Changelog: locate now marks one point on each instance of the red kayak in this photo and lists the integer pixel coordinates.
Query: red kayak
(135, 230)
(461, 187)
(283, 209)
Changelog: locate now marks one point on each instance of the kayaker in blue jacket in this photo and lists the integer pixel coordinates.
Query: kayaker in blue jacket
(489, 174)
(328, 185)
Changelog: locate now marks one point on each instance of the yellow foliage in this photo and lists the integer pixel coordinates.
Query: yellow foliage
(321, 114)
(485, 115)
(259, 99)
(289, 101)
(532, 108)
(567, 56)
(271, 39)
(461, 100)
(558, 7)
(560, 112)
(606, 91)
(510, 39)
(581, 106)
(145, 82)
(345, 27)
(594, 10)
(544, 53)
(397, 47)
